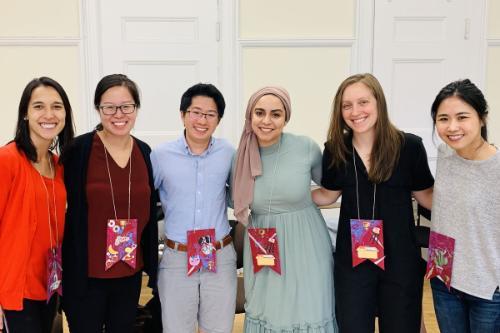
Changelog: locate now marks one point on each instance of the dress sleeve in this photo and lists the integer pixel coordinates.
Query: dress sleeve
(421, 174)
(315, 160)
(329, 179)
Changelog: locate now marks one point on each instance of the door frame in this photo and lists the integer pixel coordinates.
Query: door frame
(367, 34)
(92, 68)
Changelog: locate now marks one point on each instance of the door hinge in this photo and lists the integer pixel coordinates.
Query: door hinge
(467, 29)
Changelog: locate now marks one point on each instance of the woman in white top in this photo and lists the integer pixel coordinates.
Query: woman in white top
(466, 207)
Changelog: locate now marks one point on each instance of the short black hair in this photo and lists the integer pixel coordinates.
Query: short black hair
(467, 92)
(203, 89)
(22, 137)
(115, 80)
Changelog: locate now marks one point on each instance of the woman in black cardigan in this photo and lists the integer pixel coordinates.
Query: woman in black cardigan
(111, 230)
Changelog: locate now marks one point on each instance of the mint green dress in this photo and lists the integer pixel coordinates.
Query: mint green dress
(301, 299)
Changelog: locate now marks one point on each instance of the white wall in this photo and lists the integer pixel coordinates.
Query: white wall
(37, 38)
(296, 19)
(305, 48)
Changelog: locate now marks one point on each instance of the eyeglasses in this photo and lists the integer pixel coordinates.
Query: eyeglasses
(197, 115)
(112, 109)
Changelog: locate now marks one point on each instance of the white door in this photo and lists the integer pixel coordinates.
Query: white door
(165, 46)
(420, 46)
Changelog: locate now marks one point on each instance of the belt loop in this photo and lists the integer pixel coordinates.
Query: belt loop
(176, 246)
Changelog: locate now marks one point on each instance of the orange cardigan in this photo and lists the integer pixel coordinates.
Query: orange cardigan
(18, 222)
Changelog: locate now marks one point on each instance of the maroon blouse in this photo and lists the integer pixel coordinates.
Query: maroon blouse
(100, 206)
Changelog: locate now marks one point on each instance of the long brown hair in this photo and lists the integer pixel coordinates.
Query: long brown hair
(388, 139)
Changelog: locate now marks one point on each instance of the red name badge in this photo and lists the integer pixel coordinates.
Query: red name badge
(121, 242)
(265, 249)
(201, 252)
(367, 242)
(440, 262)
(54, 272)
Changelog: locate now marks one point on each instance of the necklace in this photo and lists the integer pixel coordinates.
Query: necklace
(111, 182)
(276, 160)
(357, 187)
(56, 241)
(39, 166)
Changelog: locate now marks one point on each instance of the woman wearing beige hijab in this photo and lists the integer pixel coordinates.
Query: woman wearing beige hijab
(288, 263)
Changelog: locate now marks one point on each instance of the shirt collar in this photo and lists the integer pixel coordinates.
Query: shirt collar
(187, 150)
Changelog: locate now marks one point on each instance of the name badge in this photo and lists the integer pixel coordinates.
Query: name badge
(54, 272)
(440, 261)
(367, 242)
(121, 242)
(264, 248)
(201, 252)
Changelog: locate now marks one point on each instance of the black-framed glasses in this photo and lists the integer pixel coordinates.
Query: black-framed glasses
(112, 109)
(196, 115)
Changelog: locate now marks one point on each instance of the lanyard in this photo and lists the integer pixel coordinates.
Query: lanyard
(48, 206)
(272, 184)
(357, 187)
(111, 182)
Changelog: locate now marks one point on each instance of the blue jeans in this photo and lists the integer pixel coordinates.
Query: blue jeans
(458, 312)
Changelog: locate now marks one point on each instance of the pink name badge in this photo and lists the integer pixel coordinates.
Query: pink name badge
(54, 272)
(440, 262)
(265, 249)
(201, 251)
(367, 242)
(121, 242)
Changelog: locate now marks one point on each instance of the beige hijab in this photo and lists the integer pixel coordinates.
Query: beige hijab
(248, 162)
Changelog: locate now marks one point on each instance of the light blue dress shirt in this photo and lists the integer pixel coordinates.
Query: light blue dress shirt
(193, 187)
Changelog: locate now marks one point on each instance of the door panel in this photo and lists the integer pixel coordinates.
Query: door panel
(419, 46)
(165, 47)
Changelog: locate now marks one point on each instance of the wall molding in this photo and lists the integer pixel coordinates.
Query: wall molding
(297, 42)
(495, 42)
(40, 41)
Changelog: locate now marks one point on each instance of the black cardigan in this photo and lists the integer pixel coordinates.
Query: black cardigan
(75, 244)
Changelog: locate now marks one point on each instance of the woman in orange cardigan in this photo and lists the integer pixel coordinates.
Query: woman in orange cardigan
(32, 207)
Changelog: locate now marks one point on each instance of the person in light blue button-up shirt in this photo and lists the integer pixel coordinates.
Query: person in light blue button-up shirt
(191, 174)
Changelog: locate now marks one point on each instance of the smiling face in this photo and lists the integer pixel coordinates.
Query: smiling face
(118, 124)
(200, 121)
(268, 120)
(359, 109)
(458, 125)
(46, 115)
